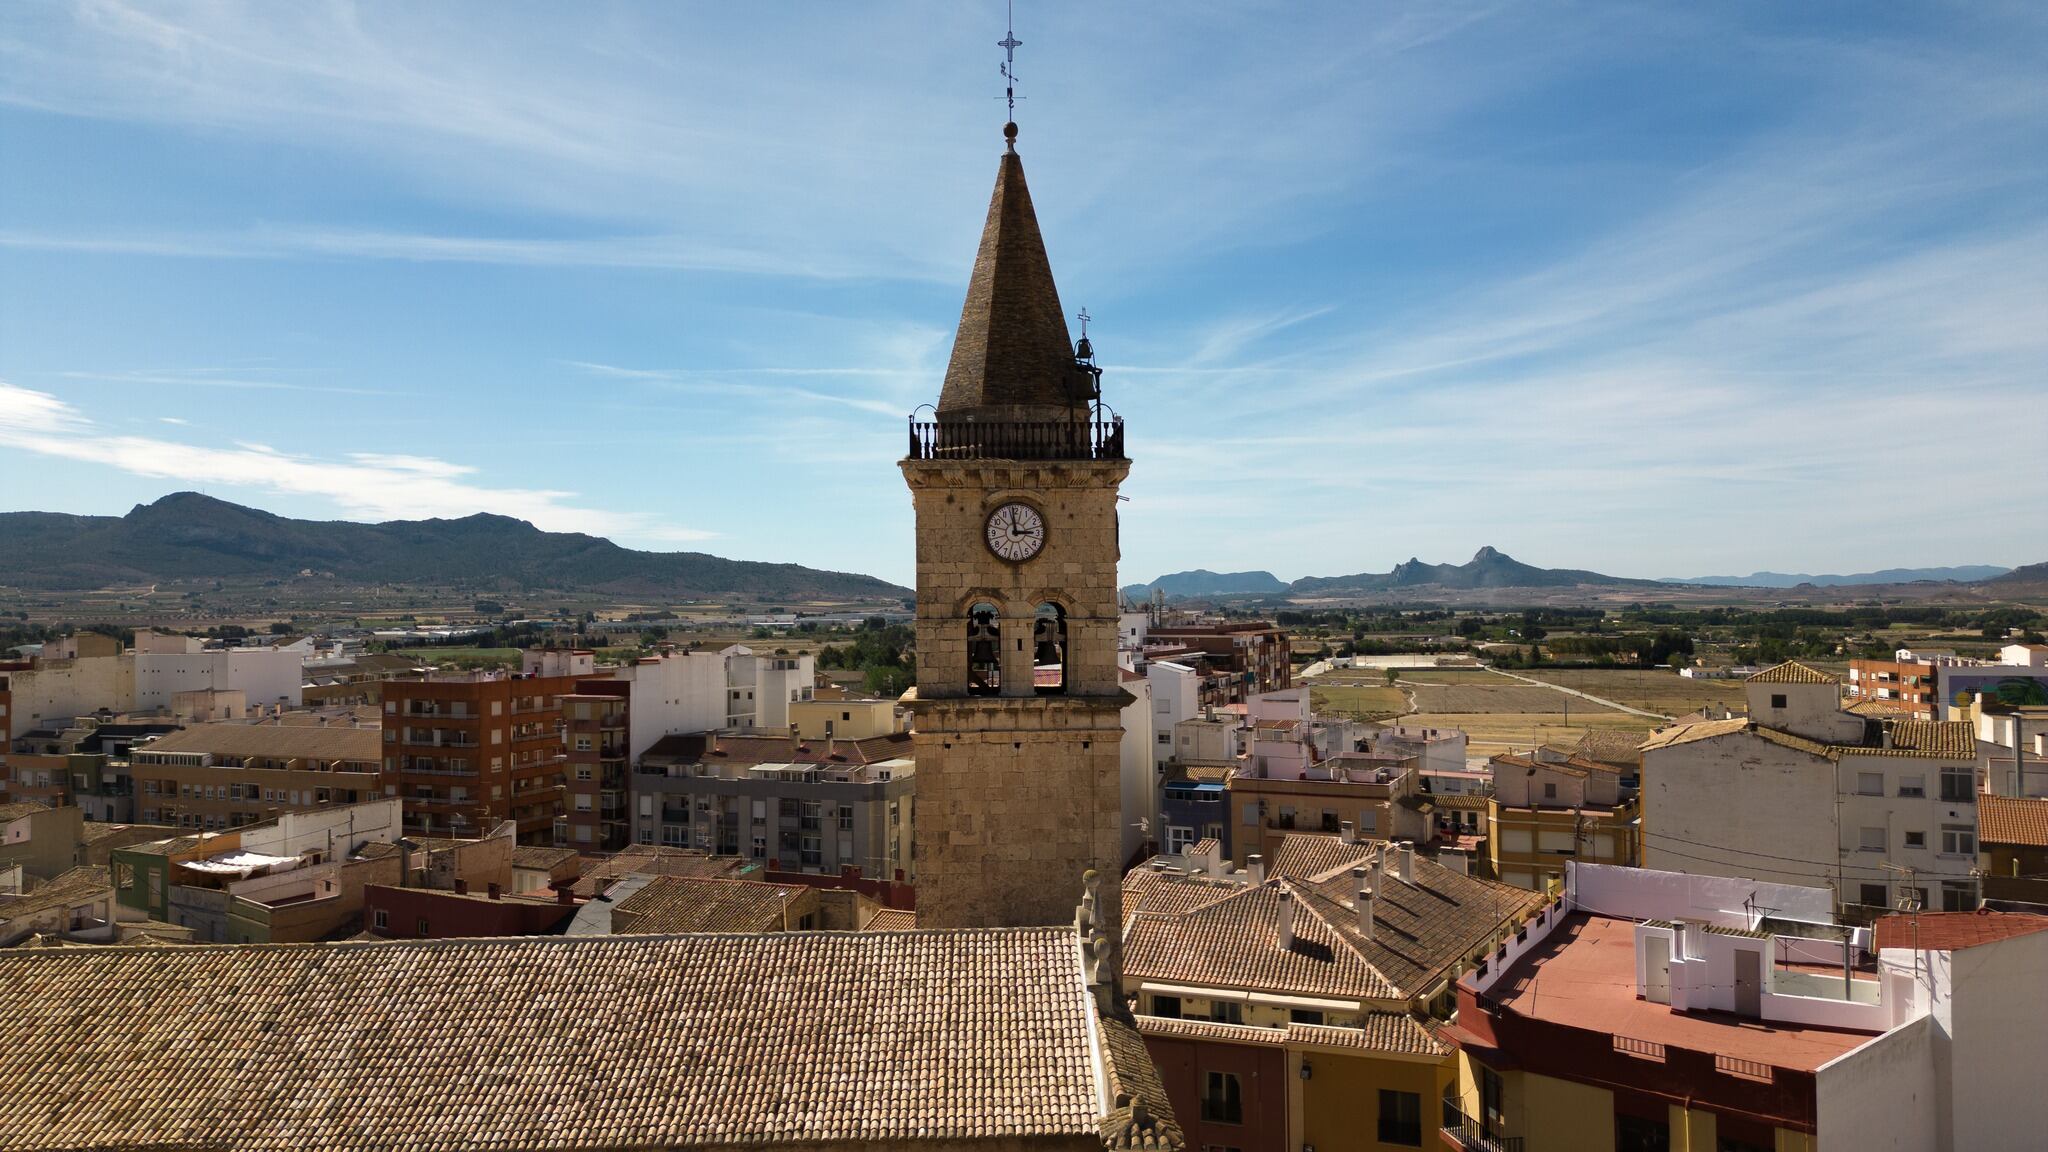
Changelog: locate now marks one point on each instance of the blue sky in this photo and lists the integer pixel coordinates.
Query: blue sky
(1653, 289)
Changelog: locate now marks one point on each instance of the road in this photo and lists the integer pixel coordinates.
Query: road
(1601, 700)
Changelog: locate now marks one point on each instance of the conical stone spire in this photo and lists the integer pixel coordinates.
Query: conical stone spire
(1012, 353)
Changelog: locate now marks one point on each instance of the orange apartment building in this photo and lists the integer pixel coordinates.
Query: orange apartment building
(466, 750)
(594, 737)
(1907, 683)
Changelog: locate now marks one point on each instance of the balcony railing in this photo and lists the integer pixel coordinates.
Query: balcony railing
(1085, 439)
(1468, 1133)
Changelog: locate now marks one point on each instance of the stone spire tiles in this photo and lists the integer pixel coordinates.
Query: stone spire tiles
(1012, 349)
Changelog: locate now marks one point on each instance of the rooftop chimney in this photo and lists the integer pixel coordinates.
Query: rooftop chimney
(1379, 866)
(1347, 832)
(1255, 866)
(1365, 911)
(1404, 862)
(461, 886)
(494, 890)
(1286, 918)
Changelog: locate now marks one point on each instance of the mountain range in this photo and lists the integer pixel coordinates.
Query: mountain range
(1964, 573)
(1491, 568)
(188, 536)
(1488, 568)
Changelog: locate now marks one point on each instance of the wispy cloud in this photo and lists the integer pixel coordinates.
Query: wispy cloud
(367, 486)
(211, 378)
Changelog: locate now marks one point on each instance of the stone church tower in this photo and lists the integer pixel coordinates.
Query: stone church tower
(1018, 701)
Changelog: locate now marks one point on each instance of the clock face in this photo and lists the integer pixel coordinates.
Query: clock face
(1016, 532)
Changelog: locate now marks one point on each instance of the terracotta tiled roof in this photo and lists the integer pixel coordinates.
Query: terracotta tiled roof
(1207, 845)
(1148, 889)
(1957, 738)
(1873, 706)
(1395, 1032)
(680, 904)
(2008, 820)
(1952, 931)
(72, 887)
(1205, 773)
(1145, 1121)
(1420, 930)
(600, 874)
(1462, 801)
(15, 811)
(558, 1044)
(891, 920)
(1235, 943)
(541, 859)
(276, 741)
(1792, 672)
(1611, 746)
(1687, 733)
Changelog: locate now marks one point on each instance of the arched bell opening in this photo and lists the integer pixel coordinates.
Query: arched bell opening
(1049, 650)
(984, 650)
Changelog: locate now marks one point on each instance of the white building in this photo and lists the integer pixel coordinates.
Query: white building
(167, 665)
(2024, 655)
(1801, 792)
(1176, 692)
(1139, 771)
(733, 688)
(59, 689)
(1441, 750)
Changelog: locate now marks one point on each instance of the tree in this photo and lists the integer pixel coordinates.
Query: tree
(1393, 677)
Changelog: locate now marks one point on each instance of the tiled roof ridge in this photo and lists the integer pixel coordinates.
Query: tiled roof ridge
(12, 955)
(1792, 672)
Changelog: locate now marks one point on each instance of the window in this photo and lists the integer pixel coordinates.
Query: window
(1400, 1118)
(1777, 699)
(846, 817)
(1549, 790)
(1958, 840)
(1222, 1099)
(1637, 1134)
(422, 926)
(1304, 1016)
(1959, 785)
(1873, 895)
(1870, 783)
(1872, 840)
(583, 772)
(760, 847)
(647, 835)
(1492, 1107)
(381, 918)
(1916, 839)
(1912, 785)
(673, 835)
(1166, 738)
(1958, 896)
(1226, 1012)
(1166, 1006)
(1251, 813)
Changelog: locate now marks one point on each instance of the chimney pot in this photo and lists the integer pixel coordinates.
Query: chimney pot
(1255, 864)
(1347, 832)
(1365, 912)
(1286, 918)
(1404, 862)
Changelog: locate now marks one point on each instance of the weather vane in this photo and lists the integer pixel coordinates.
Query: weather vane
(1009, 44)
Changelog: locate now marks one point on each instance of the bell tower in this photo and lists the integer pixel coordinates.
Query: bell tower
(1017, 709)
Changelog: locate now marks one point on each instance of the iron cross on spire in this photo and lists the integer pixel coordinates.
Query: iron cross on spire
(1009, 44)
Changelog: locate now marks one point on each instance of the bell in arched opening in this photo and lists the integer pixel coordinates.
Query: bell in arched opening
(984, 651)
(1049, 650)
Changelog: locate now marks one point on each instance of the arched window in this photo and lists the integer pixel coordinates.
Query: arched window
(984, 650)
(1049, 650)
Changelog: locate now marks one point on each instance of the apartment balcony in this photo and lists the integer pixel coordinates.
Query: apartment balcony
(1464, 1132)
(409, 766)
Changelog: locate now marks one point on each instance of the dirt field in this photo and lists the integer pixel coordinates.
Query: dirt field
(1364, 701)
(1500, 695)
(1652, 690)
(1494, 732)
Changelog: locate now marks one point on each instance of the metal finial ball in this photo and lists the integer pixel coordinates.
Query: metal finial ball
(1010, 131)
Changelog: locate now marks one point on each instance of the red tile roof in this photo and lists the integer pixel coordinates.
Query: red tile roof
(2008, 820)
(1952, 931)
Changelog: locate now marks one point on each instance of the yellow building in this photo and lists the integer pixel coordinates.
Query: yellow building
(1547, 808)
(849, 719)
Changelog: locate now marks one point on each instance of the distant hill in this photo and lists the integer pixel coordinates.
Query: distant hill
(1202, 582)
(1963, 573)
(187, 536)
(2029, 576)
(1488, 568)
